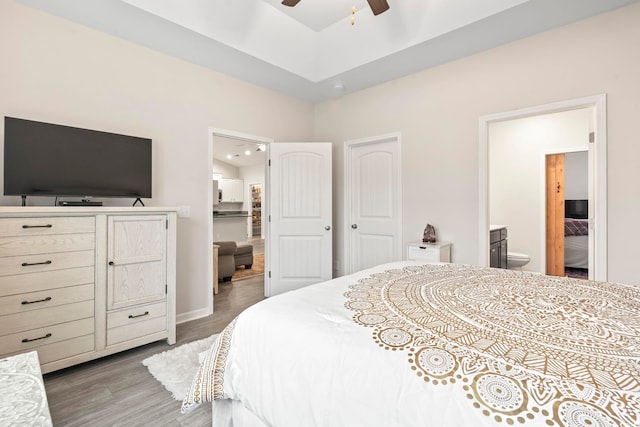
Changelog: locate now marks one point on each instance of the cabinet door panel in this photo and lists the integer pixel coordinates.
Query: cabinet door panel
(136, 273)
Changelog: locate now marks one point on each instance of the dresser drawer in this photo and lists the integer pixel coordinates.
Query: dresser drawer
(63, 349)
(35, 338)
(45, 262)
(28, 245)
(46, 225)
(45, 299)
(135, 322)
(19, 322)
(34, 282)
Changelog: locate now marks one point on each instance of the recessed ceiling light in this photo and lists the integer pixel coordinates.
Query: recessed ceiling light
(229, 156)
(247, 153)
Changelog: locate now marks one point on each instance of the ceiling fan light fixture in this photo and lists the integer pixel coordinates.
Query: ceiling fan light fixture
(378, 6)
(290, 3)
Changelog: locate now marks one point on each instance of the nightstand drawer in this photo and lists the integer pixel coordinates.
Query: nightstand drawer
(46, 225)
(429, 252)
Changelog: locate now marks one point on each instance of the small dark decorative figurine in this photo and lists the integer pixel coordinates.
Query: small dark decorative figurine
(429, 235)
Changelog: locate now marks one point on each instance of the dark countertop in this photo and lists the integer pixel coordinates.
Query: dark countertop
(230, 214)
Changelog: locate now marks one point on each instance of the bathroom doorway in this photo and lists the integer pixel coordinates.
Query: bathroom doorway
(525, 204)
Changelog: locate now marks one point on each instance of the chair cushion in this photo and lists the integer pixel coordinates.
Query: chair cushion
(244, 248)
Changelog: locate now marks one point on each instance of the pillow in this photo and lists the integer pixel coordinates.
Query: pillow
(206, 385)
(576, 227)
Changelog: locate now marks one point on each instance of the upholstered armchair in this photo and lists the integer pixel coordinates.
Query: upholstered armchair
(226, 260)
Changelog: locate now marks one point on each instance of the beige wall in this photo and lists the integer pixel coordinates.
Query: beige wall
(57, 71)
(437, 112)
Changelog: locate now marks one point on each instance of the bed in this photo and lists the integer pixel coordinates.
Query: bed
(410, 344)
(576, 234)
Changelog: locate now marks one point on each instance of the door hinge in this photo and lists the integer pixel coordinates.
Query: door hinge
(269, 274)
(269, 162)
(592, 137)
(166, 289)
(166, 224)
(269, 218)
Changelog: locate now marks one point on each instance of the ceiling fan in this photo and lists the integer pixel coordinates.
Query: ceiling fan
(377, 6)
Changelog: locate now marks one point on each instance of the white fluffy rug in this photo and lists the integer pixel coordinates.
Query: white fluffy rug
(175, 368)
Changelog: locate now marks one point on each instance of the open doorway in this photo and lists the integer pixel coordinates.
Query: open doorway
(567, 214)
(237, 166)
(526, 203)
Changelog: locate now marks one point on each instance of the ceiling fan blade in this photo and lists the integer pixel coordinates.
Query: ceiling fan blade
(377, 6)
(290, 3)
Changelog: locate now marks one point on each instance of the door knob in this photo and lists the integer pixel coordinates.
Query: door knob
(327, 228)
(354, 226)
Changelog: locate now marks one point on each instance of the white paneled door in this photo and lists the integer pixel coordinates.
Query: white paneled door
(373, 202)
(300, 226)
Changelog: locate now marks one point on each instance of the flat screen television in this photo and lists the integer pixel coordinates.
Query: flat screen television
(577, 209)
(44, 159)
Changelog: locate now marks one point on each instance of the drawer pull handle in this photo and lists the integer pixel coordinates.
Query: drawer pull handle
(33, 302)
(36, 339)
(112, 263)
(28, 264)
(131, 316)
(37, 226)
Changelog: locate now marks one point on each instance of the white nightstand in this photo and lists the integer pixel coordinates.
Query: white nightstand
(429, 252)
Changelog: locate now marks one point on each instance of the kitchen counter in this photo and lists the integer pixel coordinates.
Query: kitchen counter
(230, 214)
(230, 225)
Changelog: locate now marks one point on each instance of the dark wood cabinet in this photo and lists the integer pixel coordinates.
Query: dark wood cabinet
(498, 248)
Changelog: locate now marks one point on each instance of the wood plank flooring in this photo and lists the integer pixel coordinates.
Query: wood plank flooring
(118, 390)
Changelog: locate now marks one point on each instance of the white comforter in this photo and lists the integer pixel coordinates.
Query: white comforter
(303, 359)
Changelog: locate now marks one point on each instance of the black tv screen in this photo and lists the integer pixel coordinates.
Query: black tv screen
(44, 159)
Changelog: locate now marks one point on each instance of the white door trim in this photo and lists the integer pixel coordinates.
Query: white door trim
(214, 131)
(598, 178)
(348, 146)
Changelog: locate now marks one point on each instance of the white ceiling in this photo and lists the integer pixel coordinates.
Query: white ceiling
(312, 52)
(237, 149)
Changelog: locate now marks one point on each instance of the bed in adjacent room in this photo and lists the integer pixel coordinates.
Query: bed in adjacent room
(576, 234)
(410, 344)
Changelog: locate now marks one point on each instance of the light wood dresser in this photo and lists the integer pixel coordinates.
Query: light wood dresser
(81, 283)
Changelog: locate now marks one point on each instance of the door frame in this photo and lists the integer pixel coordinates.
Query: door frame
(213, 132)
(598, 177)
(348, 150)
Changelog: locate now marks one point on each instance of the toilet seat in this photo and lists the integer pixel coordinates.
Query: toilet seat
(516, 260)
(517, 256)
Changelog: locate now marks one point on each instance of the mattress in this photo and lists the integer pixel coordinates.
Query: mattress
(410, 344)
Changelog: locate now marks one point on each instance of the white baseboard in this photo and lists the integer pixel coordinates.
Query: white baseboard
(192, 315)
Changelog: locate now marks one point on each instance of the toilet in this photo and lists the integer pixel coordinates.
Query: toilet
(515, 260)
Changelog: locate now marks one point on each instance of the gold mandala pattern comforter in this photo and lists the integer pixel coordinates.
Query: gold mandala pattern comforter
(407, 344)
(521, 347)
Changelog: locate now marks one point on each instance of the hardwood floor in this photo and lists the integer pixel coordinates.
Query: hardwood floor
(118, 390)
